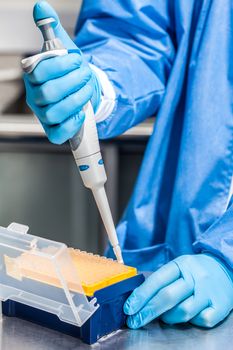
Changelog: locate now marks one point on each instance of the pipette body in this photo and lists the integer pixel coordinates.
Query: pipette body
(85, 144)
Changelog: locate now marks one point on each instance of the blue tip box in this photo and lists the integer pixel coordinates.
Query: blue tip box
(63, 304)
(108, 318)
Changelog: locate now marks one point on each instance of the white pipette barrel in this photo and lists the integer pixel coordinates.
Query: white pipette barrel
(88, 158)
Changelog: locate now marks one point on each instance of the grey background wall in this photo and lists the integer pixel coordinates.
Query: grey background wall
(42, 189)
(17, 31)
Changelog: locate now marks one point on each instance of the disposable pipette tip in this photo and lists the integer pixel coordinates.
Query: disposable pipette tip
(117, 252)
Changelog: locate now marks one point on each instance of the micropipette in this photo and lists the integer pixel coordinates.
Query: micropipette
(85, 144)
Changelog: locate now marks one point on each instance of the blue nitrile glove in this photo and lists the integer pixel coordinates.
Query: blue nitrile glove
(59, 87)
(192, 288)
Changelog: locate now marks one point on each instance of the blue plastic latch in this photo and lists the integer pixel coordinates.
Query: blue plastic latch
(83, 167)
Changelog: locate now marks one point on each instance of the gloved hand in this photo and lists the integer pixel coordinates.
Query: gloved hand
(59, 87)
(194, 288)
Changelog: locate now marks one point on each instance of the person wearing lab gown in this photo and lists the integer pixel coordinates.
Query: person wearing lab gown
(171, 59)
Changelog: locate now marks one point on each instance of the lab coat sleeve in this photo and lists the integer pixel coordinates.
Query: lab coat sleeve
(218, 239)
(131, 41)
(108, 95)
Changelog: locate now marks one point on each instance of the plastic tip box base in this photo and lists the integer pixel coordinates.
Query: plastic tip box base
(108, 318)
(74, 292)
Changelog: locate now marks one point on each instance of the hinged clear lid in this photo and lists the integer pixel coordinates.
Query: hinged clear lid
(60, 293)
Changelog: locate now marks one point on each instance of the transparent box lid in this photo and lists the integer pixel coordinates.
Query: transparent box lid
(60, 294)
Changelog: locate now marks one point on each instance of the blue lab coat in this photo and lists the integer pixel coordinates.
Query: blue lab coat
(172, 59)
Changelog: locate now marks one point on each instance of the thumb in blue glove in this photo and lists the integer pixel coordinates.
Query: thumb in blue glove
(59, 87)
(192, 288)
(43, 10)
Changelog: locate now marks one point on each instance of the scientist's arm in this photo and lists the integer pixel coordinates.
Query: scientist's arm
(128, 45)
(218, 239)
(131, 43)
(192, 288)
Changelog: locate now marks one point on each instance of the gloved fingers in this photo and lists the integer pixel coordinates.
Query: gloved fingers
(56, 90)
(210, 316)
(185, 311)
(54, 67)
(59, 112)
(43, 10)
(164, 300)
(59, 134)
(158, 280)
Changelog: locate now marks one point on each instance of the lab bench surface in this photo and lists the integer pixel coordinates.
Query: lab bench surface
(18, 334)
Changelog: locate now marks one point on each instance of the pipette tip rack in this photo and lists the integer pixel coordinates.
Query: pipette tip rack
(108, 318)
(70, 291)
